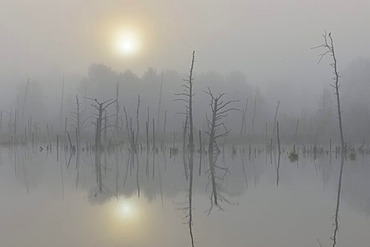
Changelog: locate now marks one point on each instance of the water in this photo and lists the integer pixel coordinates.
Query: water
(45, 202)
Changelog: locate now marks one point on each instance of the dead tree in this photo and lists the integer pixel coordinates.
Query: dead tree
(79, 118)
(129, 131)
(164, 129)
(116, 127)
(328, 47)
(184, 141)
(244, 124)
(254, 113)
(159, 102)
(279, 154)
(24, 102)
(1, 121)
(137, 120)
(61, 106)
(217, 129)
(100, 107)
(275, 119)
(187, 97)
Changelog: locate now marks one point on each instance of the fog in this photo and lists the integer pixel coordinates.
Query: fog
(248, 49)
(184, 123)
(268, 41)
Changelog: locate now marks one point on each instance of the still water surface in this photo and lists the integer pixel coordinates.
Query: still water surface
(48, 202)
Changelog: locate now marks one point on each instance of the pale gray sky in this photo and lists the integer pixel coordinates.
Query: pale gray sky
(269, 40)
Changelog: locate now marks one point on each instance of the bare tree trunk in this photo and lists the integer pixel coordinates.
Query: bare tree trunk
(100, 107)
(147, 135)
(242, 128)
(65, 128)
(154, 147)
(61, 104)
(275, 119)
(254, 113)
(219, 110)
(57, 148)
(200, 152)
(328, 46)
(343, 150)
(78, 120)
(117, 112)
(15, 127)
(184, 147)
(164, 130)
(279, 154)
(211, 150)
(191, 149)
(1, 121)
(159, 102)
(24, 102)
(137, 121)
(97, 155)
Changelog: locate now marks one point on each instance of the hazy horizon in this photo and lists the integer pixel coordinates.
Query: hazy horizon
(268, 41)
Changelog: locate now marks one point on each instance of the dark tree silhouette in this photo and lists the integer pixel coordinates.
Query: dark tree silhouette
(187, 95)
(328, 47)
(217, 129)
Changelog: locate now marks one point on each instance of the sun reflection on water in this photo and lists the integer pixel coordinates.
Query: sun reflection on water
(126, 225)
(126, 209)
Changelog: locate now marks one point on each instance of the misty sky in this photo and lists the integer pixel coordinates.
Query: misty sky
(269, 40)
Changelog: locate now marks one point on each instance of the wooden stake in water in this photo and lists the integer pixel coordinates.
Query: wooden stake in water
(57, 148)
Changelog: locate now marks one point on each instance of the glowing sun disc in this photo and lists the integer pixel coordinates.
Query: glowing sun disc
(127, 44)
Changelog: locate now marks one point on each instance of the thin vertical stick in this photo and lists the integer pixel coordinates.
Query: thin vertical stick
(70, 142)
(15, 127)
(200, 152)
(24, 101)
(242, 128)
(278, 137)
(164, 129)
(137, 120)
(160, 101)
(61, 103)
(276, 112)
(154, 136)
(330, 151)
(57, 148)
(254, 113)
(279, 154)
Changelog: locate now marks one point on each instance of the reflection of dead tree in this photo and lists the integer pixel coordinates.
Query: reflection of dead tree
(200, 152)
(328, 47)
(219, 110)
(188, 99)
(184, 146)
(243, 167)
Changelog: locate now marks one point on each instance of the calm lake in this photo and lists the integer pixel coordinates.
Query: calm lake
(50, 199)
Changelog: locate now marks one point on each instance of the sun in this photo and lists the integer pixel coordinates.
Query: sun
(127, 43)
